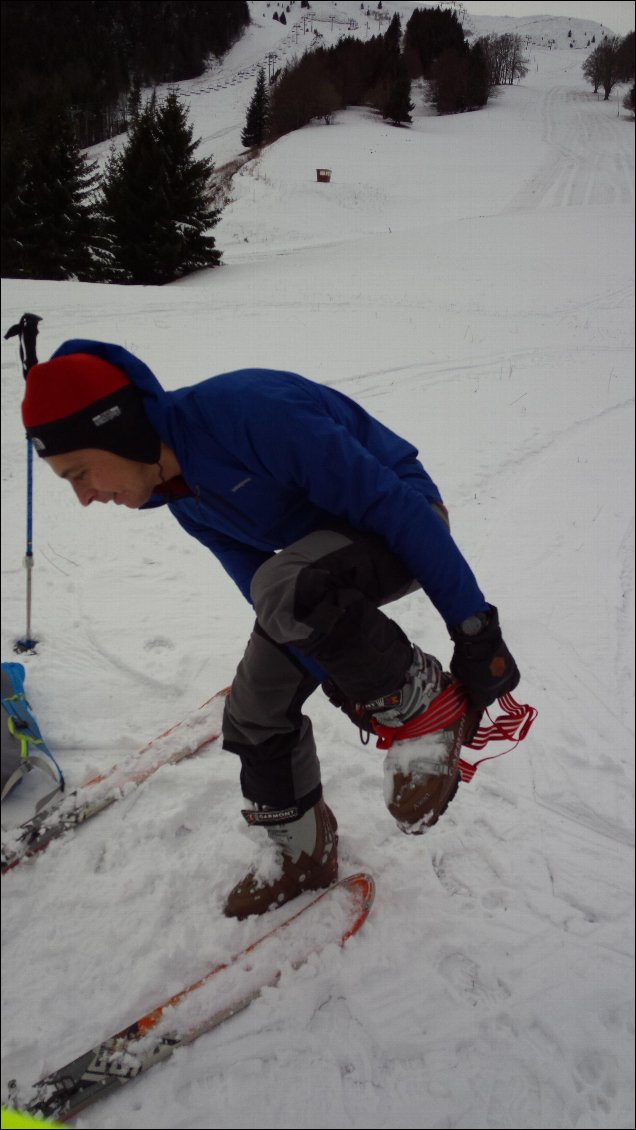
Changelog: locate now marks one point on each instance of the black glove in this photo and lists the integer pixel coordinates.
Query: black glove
(481, 661)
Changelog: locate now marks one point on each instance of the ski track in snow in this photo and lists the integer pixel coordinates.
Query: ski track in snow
(481, 303)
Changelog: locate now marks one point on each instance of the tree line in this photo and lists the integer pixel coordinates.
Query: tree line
(379, 73)
(147, 220)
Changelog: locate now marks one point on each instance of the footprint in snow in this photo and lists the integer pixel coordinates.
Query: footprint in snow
(471, 983)
(159, 643)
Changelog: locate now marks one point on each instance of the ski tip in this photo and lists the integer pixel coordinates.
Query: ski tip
(362, 887)
(362, 882)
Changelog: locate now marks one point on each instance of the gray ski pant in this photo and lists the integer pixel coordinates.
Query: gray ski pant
(318, 599)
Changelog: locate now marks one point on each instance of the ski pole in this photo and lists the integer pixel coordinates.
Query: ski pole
(27, 330)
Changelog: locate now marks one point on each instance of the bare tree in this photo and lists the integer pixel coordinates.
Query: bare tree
(505, 58)
(605, 67)
(517, 62)
(592, 70)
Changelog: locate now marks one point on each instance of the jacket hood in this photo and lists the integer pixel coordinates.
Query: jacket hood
(135, 370)
(157, 402)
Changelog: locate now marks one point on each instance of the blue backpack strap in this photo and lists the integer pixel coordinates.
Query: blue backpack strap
(25, 731)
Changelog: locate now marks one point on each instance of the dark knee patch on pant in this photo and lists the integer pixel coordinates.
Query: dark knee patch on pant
(365, 568)
(365, 652)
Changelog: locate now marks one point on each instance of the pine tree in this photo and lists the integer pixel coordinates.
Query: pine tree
(395, 86)
(131, 208)
(186, 180)
(478, 87)
(257, 118)
(155, 201)
(398, 105)
(430, 31)
(393, 35)
(133, 103)
(49, 219)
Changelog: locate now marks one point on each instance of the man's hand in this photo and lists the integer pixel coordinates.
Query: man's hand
(481, 661)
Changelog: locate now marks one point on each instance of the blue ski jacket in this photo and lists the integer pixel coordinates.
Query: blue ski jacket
(271, 456)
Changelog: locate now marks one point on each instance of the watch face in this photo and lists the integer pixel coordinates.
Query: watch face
(472, 625)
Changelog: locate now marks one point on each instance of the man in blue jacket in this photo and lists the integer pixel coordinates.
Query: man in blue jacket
(321, 516)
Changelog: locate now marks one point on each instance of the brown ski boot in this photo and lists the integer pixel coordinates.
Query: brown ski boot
(308, 850)
(421, 774)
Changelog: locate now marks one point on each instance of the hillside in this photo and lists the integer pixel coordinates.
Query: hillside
(561, 32)
(218, 100)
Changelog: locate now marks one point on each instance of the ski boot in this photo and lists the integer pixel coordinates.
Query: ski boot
(421, 774)
(308, 859)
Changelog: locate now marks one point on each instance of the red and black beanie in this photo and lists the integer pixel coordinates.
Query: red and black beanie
(78, 400)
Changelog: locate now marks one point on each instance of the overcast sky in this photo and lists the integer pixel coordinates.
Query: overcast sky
(616, 15)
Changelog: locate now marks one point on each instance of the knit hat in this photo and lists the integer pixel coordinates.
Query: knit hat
(78, 400)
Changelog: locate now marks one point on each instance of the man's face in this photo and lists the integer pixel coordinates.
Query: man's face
(100, 476)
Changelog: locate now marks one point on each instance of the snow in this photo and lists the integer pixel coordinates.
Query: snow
(470, 281)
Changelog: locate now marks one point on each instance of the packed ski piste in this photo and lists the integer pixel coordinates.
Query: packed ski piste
(367, 527)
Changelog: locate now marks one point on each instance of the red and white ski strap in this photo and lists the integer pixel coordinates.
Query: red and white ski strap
(449, 706)
(510, 726)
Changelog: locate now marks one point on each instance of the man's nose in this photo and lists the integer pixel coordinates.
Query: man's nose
(85, 494)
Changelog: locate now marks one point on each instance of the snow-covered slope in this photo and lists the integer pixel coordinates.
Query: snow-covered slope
(218, 100)
(564, 32)
(470, 281)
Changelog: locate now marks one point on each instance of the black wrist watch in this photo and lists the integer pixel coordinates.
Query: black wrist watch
(474, 624)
